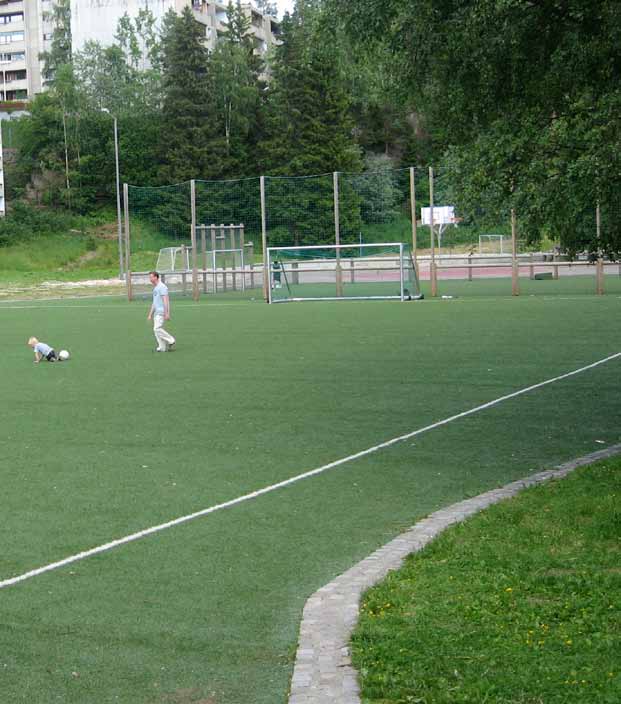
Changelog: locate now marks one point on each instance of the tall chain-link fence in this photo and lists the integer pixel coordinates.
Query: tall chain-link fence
(210, 237)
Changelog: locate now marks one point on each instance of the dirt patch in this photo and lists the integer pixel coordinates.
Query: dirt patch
(81, 284)
(61, 289)
(107, 231)
(84, 259)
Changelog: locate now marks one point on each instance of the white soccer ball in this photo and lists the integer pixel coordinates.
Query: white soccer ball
(63, 355)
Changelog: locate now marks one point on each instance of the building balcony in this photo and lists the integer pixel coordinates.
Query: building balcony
(17, 97)
(13, 85)
(8, 43)
(13, 65)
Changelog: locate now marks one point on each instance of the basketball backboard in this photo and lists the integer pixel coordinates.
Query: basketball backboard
(442, 215)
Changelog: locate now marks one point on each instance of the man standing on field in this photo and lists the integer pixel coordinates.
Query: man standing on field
(159, 312)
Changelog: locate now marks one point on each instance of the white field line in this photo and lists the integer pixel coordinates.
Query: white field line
(102, 307)
(288, 482)
(50, 302)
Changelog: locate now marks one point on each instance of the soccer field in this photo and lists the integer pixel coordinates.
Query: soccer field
(120, 439)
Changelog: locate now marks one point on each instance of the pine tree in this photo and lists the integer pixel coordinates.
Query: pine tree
(309, 130)
(191, 146)
(236, 72)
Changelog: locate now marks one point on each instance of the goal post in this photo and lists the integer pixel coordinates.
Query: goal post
(342, 272)
(494, 244)
(173, 259)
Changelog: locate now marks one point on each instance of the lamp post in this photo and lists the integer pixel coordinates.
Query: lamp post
(118, 192)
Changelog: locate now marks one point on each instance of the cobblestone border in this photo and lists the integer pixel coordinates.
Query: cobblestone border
(323, 673)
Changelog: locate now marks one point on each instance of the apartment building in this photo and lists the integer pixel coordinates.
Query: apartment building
(24, 34)
(97, 20)
(26, 31)
(212, 15)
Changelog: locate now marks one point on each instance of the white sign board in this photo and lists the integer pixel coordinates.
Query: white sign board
(442, 215)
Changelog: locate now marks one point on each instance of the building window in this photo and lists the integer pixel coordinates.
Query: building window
(8, 37)
(15, 56)
(11, 76)
(14, 17)
(16, 94)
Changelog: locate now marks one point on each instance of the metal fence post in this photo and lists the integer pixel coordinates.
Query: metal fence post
(413, 216)
(202, 228)
(266, 275)
(434, 281)
(599, 272)
(337, 235)
(195, 291)
(222, 238)
(242, 245)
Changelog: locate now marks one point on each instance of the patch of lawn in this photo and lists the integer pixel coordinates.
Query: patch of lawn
(520, 604)
(62, 247)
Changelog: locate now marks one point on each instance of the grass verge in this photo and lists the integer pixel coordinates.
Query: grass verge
(518, 605)
(85, 248)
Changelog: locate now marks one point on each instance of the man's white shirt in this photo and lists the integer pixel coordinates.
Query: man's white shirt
(159, 292)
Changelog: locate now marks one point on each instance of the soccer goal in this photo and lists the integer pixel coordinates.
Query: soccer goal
(494, 244)
(342, 272)
(171, 259)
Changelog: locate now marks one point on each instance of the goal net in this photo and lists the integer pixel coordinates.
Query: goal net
(337, 272)
(495, 244)
(171, 259)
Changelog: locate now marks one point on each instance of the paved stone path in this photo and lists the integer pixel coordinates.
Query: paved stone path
(323, 673)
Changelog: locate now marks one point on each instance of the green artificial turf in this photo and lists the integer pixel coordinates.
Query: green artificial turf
(566, 285)
(519, 604)
(120, 439)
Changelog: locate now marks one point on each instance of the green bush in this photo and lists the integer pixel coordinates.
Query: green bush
(26, 222)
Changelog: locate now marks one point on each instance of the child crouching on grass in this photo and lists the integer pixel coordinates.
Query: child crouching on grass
(42, 351)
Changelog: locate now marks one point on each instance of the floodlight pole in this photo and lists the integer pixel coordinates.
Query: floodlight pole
(118, 190)
(128, 279)
(2, 196)
(118, 197)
